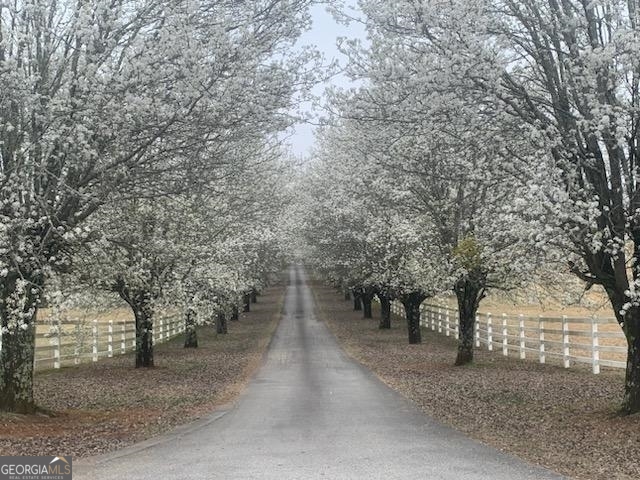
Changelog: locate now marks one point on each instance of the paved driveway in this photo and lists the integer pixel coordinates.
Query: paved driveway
(311, 413)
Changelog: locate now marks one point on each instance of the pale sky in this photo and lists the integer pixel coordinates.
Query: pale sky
(323, 35)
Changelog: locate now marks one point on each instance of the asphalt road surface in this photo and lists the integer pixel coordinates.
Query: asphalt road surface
(311, 413)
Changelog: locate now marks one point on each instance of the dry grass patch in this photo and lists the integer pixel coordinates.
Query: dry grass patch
(563, 419)
(95, 408)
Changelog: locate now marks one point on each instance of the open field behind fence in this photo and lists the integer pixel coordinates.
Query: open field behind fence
(65, 343)
(568, 340)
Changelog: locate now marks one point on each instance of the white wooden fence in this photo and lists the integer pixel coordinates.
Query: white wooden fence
(569, 340)
(69, 343)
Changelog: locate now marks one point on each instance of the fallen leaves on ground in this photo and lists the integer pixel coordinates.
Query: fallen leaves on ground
(95, 408)
(562, 419)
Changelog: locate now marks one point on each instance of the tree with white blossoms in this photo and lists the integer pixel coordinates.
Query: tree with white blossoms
(334, 224)
(102, 97)
(567, 70)
(356, 232)
(244, 204)
(448, 158)
(143, 243)
(407, 265)
(258, 254)
(461, 192)
(182, 248)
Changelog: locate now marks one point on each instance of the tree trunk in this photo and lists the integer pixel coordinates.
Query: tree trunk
(357, 301)
(367, 298)
(190, 332)
(468, 293)
(18, 308)
(412, 304)
(630, 323)
(144, 331)
(254, 295)
(235, 313)
(246, 300)
(221, 323)
(140, 303)
(631, 403)
(385, 312)
(366, 307)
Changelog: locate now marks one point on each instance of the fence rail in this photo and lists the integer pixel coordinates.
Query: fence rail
(73, 342)
(569, 340)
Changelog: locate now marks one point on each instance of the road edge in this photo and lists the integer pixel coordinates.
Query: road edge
(86, 463)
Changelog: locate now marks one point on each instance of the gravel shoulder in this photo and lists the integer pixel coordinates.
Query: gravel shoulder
(565, 420)
(96, 408)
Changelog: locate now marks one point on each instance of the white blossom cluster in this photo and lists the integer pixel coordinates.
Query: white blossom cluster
(505, 133)
(133, 134)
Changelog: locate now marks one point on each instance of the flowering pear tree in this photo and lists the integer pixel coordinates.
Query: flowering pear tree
(568, 72)
(449, 155)
(104, 98)
(180, 249)
(137, 258)
(335, 225)
(480, 234)
(359, 235)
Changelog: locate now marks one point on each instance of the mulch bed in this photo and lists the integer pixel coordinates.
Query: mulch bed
(565, 420)
(94, 408)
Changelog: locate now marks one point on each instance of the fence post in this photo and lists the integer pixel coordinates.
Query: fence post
(110, 340)
(439, 319)
(505, 342)
(477, 328)
(541, 332)
(523, 353)
(447, 323)
(489, 332)
(422, 316)
(123, 338)
(56, 349)
(95, 340)
(565, 342)
(76, 349)
(595, 350)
